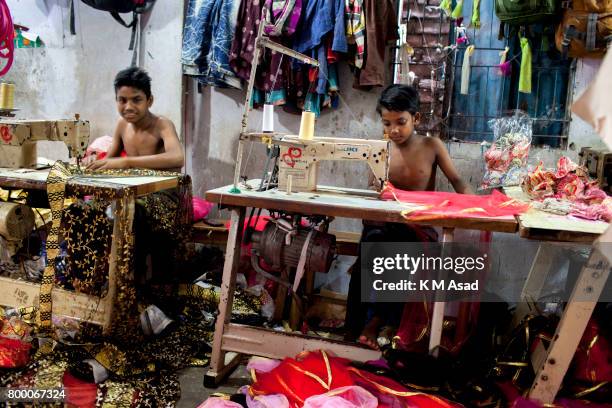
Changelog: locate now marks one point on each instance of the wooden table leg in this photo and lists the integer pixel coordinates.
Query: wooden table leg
(219, 367)
(535, 282)
(582, 302)
(124, 215)
(437, 318)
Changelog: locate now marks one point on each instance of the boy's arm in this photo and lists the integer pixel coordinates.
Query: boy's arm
(446, 164)
(171, 158)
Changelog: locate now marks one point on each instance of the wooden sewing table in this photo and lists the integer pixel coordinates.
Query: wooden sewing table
(15, 293)
(551, 364)
(231, 337)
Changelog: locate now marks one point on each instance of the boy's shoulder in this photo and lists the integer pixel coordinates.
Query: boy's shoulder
(430, 142)
(164, 122)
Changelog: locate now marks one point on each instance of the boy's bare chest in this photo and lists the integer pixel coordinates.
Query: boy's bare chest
(411, 170)
(142, 143)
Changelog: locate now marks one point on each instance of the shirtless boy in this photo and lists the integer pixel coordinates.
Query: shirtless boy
(149, 140)
(413, 164)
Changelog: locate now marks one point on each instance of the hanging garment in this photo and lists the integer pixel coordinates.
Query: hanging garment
(466, 70)
(476, 14)
(458, 10)
(196, 28)
(243, 45)
(283, 17)
(274, 68)
(207, 38)
(319, 18)
(355, 30)
(525, 75)
(381, 28)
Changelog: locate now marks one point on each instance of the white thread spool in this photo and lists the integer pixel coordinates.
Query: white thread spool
(268, 119)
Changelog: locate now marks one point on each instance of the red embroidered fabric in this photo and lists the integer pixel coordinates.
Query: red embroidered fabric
(316, 372)
(437, 204)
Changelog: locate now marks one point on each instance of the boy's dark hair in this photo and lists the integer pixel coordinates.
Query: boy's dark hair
(134, 77)
(399, 98)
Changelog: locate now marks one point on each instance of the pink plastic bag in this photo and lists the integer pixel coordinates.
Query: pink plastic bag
(262, 364)
(351, 396)
(201, 208)
(267, 401)
(215, 402)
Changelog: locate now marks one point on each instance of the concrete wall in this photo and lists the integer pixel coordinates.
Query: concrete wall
(74, 73)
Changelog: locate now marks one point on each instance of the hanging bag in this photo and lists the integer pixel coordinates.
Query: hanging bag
(586, 28)
(115, 8)
(525, 12)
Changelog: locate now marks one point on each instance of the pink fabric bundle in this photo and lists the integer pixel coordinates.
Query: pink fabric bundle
(201, 208)
(351, 396)
(570, 182)
(216, 402)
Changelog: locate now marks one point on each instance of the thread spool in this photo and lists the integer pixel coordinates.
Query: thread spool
(7, 96)
(16, 221)
(268, 119)
(307, 125)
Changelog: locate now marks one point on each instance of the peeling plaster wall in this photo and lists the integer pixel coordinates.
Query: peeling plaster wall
(74, 73)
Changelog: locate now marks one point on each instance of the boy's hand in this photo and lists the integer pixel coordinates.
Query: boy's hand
(112, 163)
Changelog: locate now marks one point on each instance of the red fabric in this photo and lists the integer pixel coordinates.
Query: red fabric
(593, 356)
(14, 353)
(103, 155)
(307, 375)
(412, 331)
(79, 393)
(438, 204)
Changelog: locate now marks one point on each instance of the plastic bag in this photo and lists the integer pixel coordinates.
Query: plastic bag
(506, 159)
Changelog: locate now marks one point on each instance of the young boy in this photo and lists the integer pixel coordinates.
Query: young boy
(413, 163)
(414, 158)
(149, 140)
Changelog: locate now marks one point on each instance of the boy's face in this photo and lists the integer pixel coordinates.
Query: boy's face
(399, 126)
(132, 103)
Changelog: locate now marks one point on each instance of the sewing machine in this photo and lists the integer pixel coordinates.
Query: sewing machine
(298, 158)
(18, 139)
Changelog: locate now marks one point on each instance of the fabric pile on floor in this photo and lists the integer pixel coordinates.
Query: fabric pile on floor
(317, 379)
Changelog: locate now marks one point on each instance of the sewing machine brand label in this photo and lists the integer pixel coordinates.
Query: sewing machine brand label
(349, 151)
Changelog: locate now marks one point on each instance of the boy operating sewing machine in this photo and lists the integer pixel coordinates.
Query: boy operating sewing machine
(414, 160)
(149, 140)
